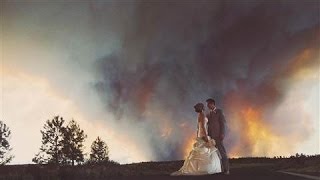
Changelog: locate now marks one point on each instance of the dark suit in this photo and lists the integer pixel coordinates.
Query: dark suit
(217, 129)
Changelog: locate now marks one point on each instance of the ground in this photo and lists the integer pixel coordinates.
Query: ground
(246, 169)
(259, 172)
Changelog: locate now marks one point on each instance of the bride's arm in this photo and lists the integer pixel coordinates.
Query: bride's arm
(202, 122)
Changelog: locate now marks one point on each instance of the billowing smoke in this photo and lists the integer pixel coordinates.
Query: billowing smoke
(242, 54)
(150, 62)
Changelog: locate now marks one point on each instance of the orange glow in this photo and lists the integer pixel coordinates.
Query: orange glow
(34, 92)
(188, 146)
(254, 136)
(190, 130)
(305, 65)
(257, 138)
(257, 131)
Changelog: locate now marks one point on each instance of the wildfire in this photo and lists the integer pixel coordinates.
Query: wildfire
(252, 135)
(256, 136)
(189, 140)
(188, 145)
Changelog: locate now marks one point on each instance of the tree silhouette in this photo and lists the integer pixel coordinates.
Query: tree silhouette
(5, 148)
(73, 143)
(99, 151)
(51, 148)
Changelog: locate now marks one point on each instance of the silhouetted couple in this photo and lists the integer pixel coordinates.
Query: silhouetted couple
(208, 155)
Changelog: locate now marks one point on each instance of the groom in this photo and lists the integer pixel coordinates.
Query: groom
(216, 130)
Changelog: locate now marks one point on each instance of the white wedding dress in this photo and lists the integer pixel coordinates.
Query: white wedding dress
(201, 160)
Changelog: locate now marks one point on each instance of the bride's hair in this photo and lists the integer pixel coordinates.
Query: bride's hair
(198, 107)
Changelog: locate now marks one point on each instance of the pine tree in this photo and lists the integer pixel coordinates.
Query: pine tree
(73, 143)
(99, 151)
(51, 148)
(5, 148)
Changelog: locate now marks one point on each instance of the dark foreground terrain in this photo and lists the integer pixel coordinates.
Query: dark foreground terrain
(244, 168)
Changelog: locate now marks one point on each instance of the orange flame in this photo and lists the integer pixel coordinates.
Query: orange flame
(254, 136)
(257, 138)
(188, 141)
(188, 146)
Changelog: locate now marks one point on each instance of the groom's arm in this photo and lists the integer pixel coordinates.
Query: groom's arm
(222, 125)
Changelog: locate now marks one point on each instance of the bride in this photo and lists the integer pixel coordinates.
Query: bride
(204, 157)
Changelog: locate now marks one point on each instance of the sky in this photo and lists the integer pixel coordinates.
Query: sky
(131, 72)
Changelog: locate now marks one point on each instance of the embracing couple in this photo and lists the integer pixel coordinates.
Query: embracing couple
(208, 155)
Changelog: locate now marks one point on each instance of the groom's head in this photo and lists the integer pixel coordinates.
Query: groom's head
(211, 103)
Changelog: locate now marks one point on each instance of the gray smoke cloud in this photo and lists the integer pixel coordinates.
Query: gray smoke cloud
(177, 54)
